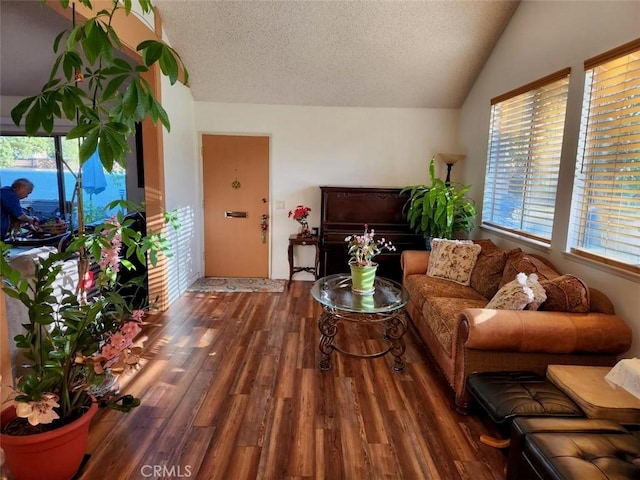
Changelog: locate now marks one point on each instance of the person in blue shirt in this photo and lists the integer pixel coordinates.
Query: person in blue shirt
(10, 209)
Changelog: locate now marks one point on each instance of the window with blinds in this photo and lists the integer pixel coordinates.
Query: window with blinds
(605, 220)
(525, 139)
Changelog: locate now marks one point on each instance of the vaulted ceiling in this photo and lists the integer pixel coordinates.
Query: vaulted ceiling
(422, 54)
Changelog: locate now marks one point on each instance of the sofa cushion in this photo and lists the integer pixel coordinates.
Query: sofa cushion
(518, 261)
(566, 293)
(421, 286)
(453, 260)
(487, 273)
(487, 245)
(442, 314)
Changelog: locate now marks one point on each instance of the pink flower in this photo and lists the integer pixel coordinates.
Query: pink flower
(109, 256)
(362, 248)
(138, 315)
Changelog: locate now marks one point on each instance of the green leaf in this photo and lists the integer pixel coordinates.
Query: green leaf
(69, 102)
(71, 63)
(130, 100)
(169, 66)
(19, 110)
(146, 6)
(113, 37)
(88, 146)
(163, 115)
(32, 120)
(151, 51)
(113, 86)
(75, 36)
(93, 41)
(79, 131)
(57, 40)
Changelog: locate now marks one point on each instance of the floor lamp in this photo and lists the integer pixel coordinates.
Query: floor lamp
(450, 159)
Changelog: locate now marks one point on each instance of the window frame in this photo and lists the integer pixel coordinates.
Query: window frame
(580, 217)
(536, 115)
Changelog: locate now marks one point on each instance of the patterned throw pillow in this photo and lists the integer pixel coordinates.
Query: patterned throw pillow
(566, 293)
(515, 295)
(518, 261)
(453, 259)
(487, 273)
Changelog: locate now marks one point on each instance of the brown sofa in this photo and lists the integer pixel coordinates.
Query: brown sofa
(463, 337)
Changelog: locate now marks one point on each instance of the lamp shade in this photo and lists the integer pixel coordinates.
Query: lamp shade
(451, 158)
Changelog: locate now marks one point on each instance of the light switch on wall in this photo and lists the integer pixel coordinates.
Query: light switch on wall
(280, 205)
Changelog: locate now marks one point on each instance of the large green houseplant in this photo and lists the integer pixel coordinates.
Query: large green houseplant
(439, 210)
(71, 343)
(100, 92)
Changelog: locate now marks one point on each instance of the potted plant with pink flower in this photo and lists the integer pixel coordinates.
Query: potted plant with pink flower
(362, 249)
(75, 347)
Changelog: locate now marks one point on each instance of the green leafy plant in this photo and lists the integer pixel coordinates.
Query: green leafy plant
(101, 93)
(71, 342)
(439, 210)
(73, 345)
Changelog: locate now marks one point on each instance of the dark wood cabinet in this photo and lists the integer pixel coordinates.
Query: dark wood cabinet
(345, 211)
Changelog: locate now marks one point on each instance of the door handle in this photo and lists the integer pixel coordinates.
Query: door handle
(229, 214)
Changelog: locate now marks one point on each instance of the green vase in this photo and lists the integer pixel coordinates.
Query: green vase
(363, 278)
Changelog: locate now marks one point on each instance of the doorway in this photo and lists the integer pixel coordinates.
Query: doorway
(235, 170)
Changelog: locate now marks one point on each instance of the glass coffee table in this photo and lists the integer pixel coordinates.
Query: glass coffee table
(386, 306)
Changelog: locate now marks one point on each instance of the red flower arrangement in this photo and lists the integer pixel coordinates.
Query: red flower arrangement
(300, 214)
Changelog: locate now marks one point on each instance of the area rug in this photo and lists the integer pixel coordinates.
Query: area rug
(223, 284)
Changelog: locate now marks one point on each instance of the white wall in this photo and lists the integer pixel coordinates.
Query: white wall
(314, 146)
(183, 188)
(542, 38)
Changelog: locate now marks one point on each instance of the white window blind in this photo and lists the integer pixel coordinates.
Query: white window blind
(605, 221)
(525, 140)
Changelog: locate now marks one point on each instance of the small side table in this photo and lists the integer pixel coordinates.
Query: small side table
(313, 241)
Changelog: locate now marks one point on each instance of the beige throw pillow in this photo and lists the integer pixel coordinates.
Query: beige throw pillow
(515, 295)
(453, 260)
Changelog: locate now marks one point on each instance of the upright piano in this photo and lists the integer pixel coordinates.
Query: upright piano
(345, 211)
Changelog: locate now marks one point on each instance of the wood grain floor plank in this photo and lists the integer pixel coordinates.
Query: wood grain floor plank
(231, 390)
(217, 459)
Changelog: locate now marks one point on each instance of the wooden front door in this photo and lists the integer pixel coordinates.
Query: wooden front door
(236, 196)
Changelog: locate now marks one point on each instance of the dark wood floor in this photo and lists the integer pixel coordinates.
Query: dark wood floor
(230, 390)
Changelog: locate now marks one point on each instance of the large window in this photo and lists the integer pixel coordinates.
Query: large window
(605, 221)
(50, 163)
(525, 140)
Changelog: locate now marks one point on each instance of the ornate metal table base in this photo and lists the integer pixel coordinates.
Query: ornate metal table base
(395, 326)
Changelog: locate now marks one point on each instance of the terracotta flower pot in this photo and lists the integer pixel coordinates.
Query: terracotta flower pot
(54, 455)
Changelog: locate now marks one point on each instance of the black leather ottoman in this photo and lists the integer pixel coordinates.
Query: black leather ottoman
(572, 448)
(505, 395)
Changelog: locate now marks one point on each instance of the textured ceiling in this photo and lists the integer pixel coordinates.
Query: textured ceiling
(331, 53)
(335, 53)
